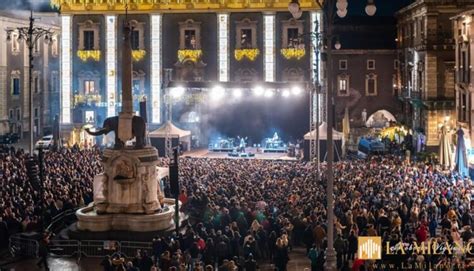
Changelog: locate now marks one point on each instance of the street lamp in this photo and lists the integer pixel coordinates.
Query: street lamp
(31, 35)
(329, 15)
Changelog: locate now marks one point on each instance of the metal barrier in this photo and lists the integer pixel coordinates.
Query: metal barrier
(94, 248)
(64, 248)
(129, 249)
(20, 246)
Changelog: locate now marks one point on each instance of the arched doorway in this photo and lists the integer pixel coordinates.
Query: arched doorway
(380, 119)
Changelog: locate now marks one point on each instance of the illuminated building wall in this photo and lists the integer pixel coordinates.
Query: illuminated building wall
(223, 38)
(269, 47)
(66, 59)
(111, 64)
(156, 68)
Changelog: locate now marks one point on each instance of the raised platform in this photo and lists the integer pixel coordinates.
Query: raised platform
(221, 149)
(89, 220)
(241, 154)
(205, 153)
(275, 150)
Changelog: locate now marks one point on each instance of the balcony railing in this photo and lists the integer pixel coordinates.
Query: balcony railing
(89, 99)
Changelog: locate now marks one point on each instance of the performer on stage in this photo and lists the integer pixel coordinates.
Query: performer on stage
(242, 144)
(275, 137)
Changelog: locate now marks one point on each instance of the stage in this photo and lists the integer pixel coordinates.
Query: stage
(205, 153)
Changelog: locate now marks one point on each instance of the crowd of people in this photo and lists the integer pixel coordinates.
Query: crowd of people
(68, 175)
(244, 212)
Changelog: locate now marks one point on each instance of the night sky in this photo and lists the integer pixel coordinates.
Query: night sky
(384, 7)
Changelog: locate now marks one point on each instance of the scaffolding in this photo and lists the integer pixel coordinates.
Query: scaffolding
(169, 113)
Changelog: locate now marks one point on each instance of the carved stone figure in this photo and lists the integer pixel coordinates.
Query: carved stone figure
(111, 124)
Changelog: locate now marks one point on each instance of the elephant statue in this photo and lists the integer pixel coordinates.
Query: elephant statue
(111, 124)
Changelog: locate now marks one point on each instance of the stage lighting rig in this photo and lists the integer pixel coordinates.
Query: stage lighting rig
(177, 92)
(217, 93)
(258, 91)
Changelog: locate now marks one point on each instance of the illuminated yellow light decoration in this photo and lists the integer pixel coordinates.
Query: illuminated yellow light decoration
(84, 55)
(87, 99)
(193, 55)
(138, 55)
(87, 6)
(250, 54)
(293, 53)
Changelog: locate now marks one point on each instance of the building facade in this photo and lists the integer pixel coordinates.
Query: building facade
(365, 71)
(14, 76)
(426, 67)
(211, 41)
(463, 28)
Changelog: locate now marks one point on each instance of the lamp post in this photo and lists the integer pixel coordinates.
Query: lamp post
(329, 14)
(31, 35)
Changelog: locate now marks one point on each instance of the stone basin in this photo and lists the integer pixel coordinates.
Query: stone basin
(89, 220)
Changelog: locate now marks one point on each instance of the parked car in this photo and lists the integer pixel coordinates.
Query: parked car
(45, 142)
(9, 138)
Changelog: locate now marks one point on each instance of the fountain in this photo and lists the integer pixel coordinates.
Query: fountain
(127, 197)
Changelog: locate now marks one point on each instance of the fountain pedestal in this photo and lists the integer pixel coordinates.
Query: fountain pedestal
(127, 195)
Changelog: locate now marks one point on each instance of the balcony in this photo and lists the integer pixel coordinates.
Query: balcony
(293, 53)
(86, 55)
(89, 99)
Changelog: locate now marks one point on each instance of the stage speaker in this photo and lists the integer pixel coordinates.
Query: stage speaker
(174, 180)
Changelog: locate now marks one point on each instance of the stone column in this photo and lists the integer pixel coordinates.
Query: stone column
(127, 100)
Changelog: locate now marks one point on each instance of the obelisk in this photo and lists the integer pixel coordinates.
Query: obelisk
(126, 115)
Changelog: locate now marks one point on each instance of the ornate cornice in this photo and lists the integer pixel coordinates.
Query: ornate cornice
(175, 6)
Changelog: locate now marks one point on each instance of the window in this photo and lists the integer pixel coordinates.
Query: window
(246, 34)
(190, 39)
(189, 35)
(292, 31)
(88, 40)
(463, 108)
(371, 85)
(136, 86)
(36, 84)
(54, 46)
(343, 85)
(419, 81)
(37, 47)
(89, 87)
(464, 67)
(15, 43)
(370, 64)
(18, 114)
(36, 112)
(10, 113)
(246, 38)
(54, 82)
(15, 86)
(135, 39)
(343, 64)
(394, 84)
(89, 116)
(293, 38)
(396, 64)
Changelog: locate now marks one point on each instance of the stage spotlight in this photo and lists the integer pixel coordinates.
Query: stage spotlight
(285, 93)
(237, 93)
(177, 92)
(258, 91)
(217, 93)
(269, 93)
(296, 90)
